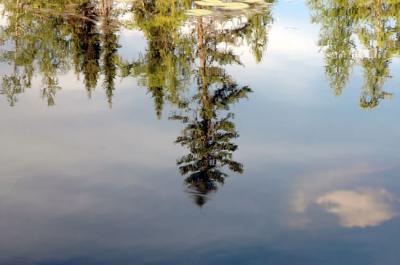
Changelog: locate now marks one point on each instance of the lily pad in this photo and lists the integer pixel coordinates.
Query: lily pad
(197, 12)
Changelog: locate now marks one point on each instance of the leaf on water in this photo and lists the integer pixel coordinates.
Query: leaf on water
(198, 12)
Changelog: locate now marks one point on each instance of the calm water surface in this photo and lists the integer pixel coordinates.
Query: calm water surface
(135, 133)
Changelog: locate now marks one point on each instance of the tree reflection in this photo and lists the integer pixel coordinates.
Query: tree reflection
(184, 65)
(165, 68)
(182, 52)
(208, 133)
(109, 38)
(86, 45)
(49, 37)
(35, 44)
(359, 31)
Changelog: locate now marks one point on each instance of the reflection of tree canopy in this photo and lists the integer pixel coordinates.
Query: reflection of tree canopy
(208, 132)
(374, 25)
(208, 138)
(86, 45)
(34, 40)
(166, 69)
(47, 37)
(183, 51)
(109, 41)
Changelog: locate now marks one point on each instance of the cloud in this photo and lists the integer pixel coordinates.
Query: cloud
(314, 183)
(366, 208)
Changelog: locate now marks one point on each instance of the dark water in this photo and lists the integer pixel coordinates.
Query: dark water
(134, 134)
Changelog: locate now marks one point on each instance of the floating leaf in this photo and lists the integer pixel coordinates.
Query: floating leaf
(198, 12)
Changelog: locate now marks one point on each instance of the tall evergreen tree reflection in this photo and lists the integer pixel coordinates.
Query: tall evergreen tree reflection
(183, 53)
(109, 39)
(86, 45)
(208, 132)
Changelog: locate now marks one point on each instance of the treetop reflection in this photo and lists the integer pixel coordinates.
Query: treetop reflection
(364, 32)
(177, 59)
(51, 38)
(207, 135)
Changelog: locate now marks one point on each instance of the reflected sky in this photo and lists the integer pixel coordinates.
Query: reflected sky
(92, 178)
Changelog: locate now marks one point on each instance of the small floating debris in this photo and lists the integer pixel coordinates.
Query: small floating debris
(235, 6)
(197, 12)
(210, 7)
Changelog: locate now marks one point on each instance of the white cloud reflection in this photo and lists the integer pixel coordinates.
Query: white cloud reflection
(366, 208)
(354, 207)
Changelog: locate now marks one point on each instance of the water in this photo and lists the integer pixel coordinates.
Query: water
(100, 101)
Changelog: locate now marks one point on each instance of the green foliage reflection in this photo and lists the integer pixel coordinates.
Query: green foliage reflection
(360, 31)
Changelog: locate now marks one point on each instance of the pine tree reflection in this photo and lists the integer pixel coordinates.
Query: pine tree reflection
(182, 51)
(209, 128)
